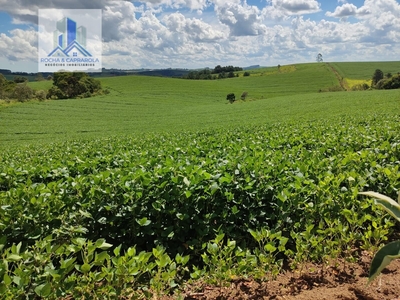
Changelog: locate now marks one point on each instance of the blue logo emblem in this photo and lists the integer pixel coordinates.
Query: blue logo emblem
(69, 41)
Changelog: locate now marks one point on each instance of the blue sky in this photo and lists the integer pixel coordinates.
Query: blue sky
(204, 33)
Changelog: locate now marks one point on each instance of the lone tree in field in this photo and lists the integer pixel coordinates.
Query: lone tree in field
(378, 75)
(319, 57)
(231, 97)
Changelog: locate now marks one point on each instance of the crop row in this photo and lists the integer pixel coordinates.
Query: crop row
(178, 191)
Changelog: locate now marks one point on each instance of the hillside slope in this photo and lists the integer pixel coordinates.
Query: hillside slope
(139, 104)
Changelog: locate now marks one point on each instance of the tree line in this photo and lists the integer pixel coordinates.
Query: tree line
(218, 72)
(65, 85)
(17, 89)
(385, 82)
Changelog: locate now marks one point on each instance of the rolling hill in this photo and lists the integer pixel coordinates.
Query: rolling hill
(140, 104)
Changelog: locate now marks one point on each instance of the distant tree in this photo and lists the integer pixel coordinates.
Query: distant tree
(3, 80)
(378, 75)
(217, 69)
(360, 87)
(279, 68)
(231, 97)
(389, 83)
(6, 88)
(22, 92)
(20, 79)
(41, 95)
(246, 74)
(231, 74)
(389, 75)
(319, 58)
(55, 93)
(73, 85)
(39, 77)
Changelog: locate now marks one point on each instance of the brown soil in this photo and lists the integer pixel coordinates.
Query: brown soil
(345, 282)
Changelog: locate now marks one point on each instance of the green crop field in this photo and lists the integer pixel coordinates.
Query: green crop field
(147, 104)
(162, 182)
(41, 85)
(365, 70)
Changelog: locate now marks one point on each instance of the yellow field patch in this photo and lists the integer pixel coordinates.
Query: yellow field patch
(353, 82)
(287, 69)
(270, 71)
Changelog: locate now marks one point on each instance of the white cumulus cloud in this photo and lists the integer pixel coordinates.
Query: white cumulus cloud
(294, 7)
(242, 19)
(20, 45)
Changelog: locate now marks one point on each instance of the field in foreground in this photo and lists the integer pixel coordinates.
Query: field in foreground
(218, 195)
(319, 282)
(211, 205)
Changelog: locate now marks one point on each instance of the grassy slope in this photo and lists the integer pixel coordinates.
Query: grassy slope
(143, 104)
(41, 85)
(365, 70)
(361, 72)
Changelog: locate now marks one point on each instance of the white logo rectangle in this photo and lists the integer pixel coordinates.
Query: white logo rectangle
(70, 40)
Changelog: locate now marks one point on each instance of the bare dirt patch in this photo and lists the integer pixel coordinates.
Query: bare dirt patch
(347, 281)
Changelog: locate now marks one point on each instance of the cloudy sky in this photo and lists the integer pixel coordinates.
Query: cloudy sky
(200, 33)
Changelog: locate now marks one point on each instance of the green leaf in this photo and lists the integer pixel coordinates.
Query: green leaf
(17, 280)
(105, 246)
(14, 257)
(68, 262)
(163, 261)
(219, 237)
(269, 247)
(143, 222)
(101, 244)
(79, 241)
(235, 210)
(3, 241)
(214, 187)
(7, 279)
(99, 258)
(186, 181)
(85, 268)
(117, 250)
(383, 257)
(255, 235)
(131, 251)
(85, 214)
(43, 290)
(391, 206)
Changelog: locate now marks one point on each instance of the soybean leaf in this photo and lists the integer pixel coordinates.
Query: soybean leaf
(143, 222)
(101, 244)
(43, 290)
(85, 268)
(14, 257)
